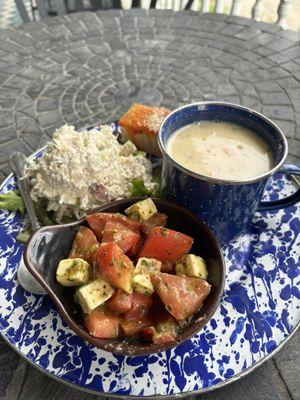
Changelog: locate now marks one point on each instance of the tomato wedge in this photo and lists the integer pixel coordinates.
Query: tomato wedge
(181, 295)
(160, 335)
(168, 266)
(136, 248)
(140, 306)
(102, 325)
(158, 219)
(133, 327)
(85, 245)
(125, 238)
(164, 331)
(148, 332)
(166, 245)
(120, 302)
(115, 266)
(164, 337)
(98, 221)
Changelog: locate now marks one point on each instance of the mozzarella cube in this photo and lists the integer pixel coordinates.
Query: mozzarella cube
(191, 265)
(141, 279)
(147, 265)
(142, 284)
(93, 294)
(142, 210)
(73, 272)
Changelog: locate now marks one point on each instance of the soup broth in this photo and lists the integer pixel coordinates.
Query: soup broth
(220, 150)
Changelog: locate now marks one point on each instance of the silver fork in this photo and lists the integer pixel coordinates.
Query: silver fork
(17, 161)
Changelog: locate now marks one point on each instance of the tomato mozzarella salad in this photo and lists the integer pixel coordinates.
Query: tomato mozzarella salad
(133, 276)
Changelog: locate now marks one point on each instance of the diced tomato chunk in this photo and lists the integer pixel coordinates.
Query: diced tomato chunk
(132, 327)
(136, 248)
(140, 306)
(98, 221)
(157, 219)
(125, 238)
(120, 302)
(168, 266)
(148, 332)
(115, 266)
(166, 337)
(181, 295)
(164, 332)
(166, 245)
(166, 329)
(102, 325)
(85, 245)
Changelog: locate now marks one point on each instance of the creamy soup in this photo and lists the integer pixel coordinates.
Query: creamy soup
(220, 150)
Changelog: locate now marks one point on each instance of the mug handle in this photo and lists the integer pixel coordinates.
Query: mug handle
(288, 169)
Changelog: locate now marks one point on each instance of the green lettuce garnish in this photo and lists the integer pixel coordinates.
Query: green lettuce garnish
(140, 190)
(12, 201)
(43, 216)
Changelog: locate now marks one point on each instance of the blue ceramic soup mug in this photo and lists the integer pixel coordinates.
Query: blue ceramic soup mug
(226, 206)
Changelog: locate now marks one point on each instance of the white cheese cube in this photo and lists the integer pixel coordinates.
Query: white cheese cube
(141, 276)
(73, 272)
(93, 294)
(191, 265)
(142, 284)
(147, 265)
(127, 149)
(142, 210)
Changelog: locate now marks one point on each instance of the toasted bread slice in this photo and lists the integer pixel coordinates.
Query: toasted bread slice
(141, 124)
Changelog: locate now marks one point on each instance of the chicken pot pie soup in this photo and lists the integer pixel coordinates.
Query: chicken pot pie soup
(220, 150)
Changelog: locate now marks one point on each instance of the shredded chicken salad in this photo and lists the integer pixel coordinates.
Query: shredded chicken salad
(81, 170)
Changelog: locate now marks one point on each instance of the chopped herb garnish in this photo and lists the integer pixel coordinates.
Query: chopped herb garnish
(164, 231)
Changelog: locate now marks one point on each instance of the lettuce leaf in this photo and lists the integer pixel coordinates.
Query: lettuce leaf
(12, 201)
(43, 216)
(140, 190)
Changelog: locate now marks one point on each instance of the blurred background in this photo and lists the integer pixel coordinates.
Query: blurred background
(9, 15)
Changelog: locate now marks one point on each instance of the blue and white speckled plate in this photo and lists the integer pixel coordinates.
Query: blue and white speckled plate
(259, 311)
